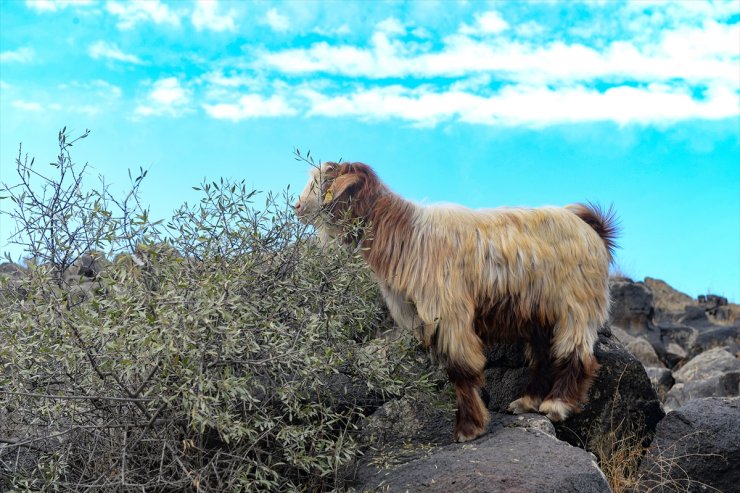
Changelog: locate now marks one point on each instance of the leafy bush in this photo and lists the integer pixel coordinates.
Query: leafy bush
(223, 350)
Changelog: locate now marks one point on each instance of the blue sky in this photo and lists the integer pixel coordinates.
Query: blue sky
(480, 103)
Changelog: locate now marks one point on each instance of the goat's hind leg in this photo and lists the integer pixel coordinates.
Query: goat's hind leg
(574, 369)
(541, 373)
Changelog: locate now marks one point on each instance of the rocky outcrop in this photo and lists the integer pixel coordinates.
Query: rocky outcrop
(676, 326)
(696, 448)
(713, 373)
(519, 453)
(622, 398)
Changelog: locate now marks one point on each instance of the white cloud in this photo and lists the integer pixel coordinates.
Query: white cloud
(167, 97)
(489, 22)
(277, 21)
(27, 105)
(701, 54)
(250, 106)
(111, 51)
(131, 13)
(55, 5)
(206, 16)
(527, 105)
(391, 25)
(21, 55)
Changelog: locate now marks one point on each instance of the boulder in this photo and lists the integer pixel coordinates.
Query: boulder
(639, 347)
(661, 379)
(727, 385)
(670, 303)
(696, 448)
(11, 270)
(714, 362)
(713, 373)
(622, 398)
(632, 305)
(519, 453)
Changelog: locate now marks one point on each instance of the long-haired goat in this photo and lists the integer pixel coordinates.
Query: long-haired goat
(462, 278)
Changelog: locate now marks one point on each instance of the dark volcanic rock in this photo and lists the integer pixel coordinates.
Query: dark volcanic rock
(695, 445)
(727, 385)
(632, 305)
(518, 454)
(662, 380)
(621, 399)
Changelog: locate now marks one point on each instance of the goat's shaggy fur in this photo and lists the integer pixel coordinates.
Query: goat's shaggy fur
(463, 278)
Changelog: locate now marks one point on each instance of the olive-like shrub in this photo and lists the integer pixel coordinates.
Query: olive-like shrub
(222, 350)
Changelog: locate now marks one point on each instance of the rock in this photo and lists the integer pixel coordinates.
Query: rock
(695, 447)
(91, 264)
(670, 303)
(714, 362)
(675, 354)
(727, 385)
(638, 346)
(11, 270)
(632, 305)
(520, 453)
(643, 351)
(661, 379)
(677, 340)
(714, 373)
(718, 336)
(622, 395)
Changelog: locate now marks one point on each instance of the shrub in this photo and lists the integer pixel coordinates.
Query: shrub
(222, 350)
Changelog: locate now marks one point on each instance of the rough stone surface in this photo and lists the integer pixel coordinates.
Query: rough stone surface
(632, 305)
(712, 363)
(661, 379)
(639, 347)
(520, 453)
(695, 447)
(621, 398)
(727, 385)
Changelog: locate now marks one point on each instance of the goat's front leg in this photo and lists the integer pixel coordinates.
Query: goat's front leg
(461, 351)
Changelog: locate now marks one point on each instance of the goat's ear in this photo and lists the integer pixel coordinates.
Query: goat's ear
(342, 184)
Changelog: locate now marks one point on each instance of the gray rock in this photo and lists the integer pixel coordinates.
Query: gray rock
(726, 385)
(643, 351)
(661, 379)
(632, 305)
(518, 454)
(712, 363)
(11, 270)
(622, 395)
(696, 447)
(677, 339)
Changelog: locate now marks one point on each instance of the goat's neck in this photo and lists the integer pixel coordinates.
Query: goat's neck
(391, 223)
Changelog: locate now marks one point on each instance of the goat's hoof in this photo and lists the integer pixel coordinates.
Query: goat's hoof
(467, 431)
(525, 404)
(555, 409)
(461, 437)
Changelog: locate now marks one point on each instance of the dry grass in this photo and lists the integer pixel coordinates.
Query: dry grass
(621, 453)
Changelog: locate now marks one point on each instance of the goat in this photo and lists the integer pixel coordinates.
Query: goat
(462, 278)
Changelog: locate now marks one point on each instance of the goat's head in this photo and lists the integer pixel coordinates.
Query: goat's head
(337, 191)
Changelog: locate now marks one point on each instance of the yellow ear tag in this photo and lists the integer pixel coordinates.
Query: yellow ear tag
(328, 196)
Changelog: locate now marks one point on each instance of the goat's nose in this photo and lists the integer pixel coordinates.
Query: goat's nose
(297, 206)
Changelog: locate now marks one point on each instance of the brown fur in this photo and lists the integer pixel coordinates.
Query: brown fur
(461, 278)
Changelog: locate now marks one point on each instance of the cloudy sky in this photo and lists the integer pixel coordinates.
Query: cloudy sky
(480, 103)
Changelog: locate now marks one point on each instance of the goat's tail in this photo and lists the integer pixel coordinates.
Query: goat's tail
(605, 223)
